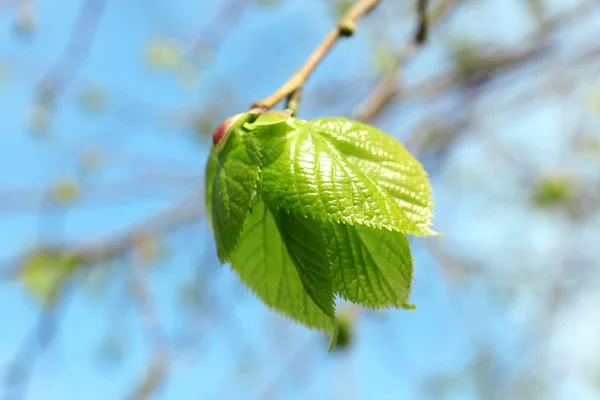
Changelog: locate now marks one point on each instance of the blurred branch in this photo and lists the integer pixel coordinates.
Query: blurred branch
(481, 69)
(423, 25)
(344, 28)
(184, 212)
(386, 88)
(156, 373)
(228, 15)
(114, 244)
(25, 199)
(32, 348)
(62, 72)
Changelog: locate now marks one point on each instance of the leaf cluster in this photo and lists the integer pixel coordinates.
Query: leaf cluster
(305, 211)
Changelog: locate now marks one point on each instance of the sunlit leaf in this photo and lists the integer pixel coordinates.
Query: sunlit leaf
(235, 172)
(262, 261)
(371, 267)
(325, 205)
(343, 171)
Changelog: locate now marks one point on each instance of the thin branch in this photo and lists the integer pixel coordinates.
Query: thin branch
(62, 72)
(293, 101)
(18, 375)
(344, 28)
(147, 184)
(213, 33)
(156, 373)
(387, 86)
(423, 25)
(184, 212)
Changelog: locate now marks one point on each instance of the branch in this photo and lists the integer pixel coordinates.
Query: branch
(62, 72)
(344, 28)
(423, 25)
(387, 86)
(181, 213)
(19, 371)
(213, 33)
(157, 371)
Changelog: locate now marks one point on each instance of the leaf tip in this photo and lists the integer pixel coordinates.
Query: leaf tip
(333, 336)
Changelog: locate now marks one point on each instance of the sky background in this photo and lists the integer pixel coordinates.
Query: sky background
(229, 345)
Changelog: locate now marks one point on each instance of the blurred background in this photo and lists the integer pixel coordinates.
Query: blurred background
(109, 282)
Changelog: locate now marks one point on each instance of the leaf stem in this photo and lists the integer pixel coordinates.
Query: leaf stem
(293, 101)
(345, 27)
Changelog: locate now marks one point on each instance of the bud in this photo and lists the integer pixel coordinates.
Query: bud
(224, 128)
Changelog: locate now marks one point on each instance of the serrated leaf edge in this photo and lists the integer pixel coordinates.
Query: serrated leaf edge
(236, 240)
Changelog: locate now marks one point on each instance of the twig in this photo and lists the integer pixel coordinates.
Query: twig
(33, 346)
(16, 200)
(387, 86)
(213, 33)
(293, 101)
(184, 212)
(423, 25)
(157, 371)
(344, 28)
(58, 77)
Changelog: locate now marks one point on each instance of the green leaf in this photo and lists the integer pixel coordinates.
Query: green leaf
(262, 261)
(340, 170)
(209, 176)
(270, 118)
(306, 245)
(370, 267)
(387, 163)
(235, 171)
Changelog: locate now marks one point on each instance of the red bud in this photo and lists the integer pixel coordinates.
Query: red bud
(223, 128)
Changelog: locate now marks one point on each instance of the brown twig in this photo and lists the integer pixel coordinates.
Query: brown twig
(423, 25)
(344, 28)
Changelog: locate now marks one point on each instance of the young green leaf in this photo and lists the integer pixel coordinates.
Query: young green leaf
(310, 168)
(270, 118)
(306, 246)
(209, 177)
(387, 163)
(370, 267)
(262, 261)
(235, 171)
